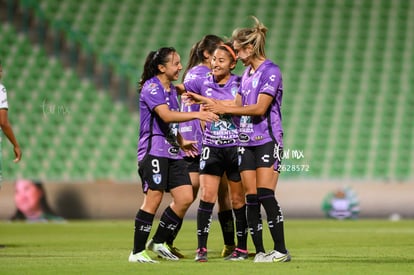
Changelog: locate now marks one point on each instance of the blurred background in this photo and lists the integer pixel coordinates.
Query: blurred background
(71, 70)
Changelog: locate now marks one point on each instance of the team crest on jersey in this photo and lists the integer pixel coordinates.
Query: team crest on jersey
(156, 178)
(256, 80)
(234, 90)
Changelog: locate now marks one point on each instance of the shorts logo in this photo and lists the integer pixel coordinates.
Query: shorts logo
(265, 158)
(202, 164)
(156, 178)
(239, 157)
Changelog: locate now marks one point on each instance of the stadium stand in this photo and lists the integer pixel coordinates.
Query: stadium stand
(348, 102)
(68, 129)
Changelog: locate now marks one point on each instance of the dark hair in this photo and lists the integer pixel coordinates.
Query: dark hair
(228, 47)
(208, 43)
(18, 215)
(159, 57)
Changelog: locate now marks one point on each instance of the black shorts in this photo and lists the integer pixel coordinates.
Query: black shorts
(215, 161)
(266, 155)
(193, 164)
(160, 173)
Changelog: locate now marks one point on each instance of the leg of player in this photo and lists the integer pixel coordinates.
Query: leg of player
(266, 196)
(209, 187)
(143, 224)
(170, 219)
(225, 215)
(239, 209)
(195, 181)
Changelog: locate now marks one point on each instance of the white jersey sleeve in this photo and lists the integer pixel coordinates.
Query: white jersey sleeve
(3, 97)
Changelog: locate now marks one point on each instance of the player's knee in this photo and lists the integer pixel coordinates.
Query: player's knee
(185, 200)
(237, 201)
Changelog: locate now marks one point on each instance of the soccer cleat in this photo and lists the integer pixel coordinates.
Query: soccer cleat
(227, 250)
(261, 258)
(161, 250)
(238, 255)
(201, 255)
(174, 250)
(141, 257)
(276, 256)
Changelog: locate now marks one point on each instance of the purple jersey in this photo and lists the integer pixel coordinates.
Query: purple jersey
(191, 130)
(156, 137)
(258, 130)
(222, 133)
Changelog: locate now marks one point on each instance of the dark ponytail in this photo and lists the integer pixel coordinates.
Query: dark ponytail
(193, 59)
(154, 58)
(208, 43)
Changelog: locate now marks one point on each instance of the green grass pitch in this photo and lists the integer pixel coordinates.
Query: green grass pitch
(102, 247)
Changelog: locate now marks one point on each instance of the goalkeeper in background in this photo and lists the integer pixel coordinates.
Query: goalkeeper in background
(341, 204)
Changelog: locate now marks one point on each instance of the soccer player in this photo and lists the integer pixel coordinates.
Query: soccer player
(258, 103)
(199, 67)
(5, 125)
(219, 153)
(161, 166)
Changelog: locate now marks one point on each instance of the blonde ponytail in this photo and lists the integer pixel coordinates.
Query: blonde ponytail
(256, 36)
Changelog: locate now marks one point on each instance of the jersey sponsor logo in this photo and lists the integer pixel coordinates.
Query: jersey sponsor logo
(258, 137)
(225, 123)
(225, 141)
(245, 92)
(156, 178)
(272, 77)
(185, 129)
(173, 151)
(243, 137)
(268, 87)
